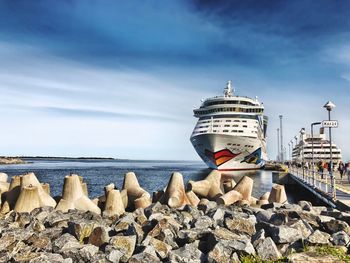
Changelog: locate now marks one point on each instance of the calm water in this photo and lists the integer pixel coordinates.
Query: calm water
(152, 175)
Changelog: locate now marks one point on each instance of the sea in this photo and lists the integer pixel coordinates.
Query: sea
(152, 175)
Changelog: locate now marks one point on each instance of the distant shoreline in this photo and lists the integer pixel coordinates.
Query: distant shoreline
(66, 158)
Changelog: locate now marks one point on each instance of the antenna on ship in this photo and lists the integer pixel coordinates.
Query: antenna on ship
(228, 89)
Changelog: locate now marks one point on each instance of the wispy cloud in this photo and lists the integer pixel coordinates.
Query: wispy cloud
(108, 68)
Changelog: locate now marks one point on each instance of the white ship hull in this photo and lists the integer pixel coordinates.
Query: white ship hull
(229, 153)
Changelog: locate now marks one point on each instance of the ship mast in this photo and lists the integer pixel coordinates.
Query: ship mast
(228, 91)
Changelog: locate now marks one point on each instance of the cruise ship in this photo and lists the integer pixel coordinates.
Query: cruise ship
(321, 149)
(230, 133)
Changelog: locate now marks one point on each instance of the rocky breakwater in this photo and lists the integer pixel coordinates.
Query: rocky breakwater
(212, 220)
(10, 160)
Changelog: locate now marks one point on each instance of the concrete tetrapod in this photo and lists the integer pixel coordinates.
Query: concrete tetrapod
(229, 198)
(31, 180)
(12, 195)
(114, 203)
(264, 199)
(134, 192)
(73, 196)
(229, 185)
(192, 198)
(278, 194)
(175, 195)
(245, 187)
(209, 187)
(29, 199)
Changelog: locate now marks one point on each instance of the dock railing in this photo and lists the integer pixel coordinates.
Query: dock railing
(320, 180)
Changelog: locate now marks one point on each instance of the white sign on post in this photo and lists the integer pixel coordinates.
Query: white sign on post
(330, 124)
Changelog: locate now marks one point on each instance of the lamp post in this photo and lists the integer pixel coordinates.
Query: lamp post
(330, 106)
(281, 134)
(278, 144)
(291, 157)
(302, 132)
(312, 150)
(289, 151)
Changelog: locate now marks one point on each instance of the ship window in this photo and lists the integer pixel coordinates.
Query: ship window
(245, 126)
(227, 125)
(237, 121)
(225, 130)
(216, 125)
(244, 121)
(240, 131)
(234, 131)
(235, 125)
(228, 120)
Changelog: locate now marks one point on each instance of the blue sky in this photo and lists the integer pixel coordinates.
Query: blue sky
(121, 78)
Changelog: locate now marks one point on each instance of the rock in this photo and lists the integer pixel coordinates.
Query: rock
(99, 236)
(334, 226)
(284, 234)
(263, 215)
(66, 242)
(81, 229)
(143, 257)
(305, 205)
(311, 258)
(87, 253)
(203, 222)
(240, 226)
(45, 257)
(125, 244)
(318, 209)
(340, 239)
(220, 253)
(207, 206)
(218, 216)
(55, 218)
(223, 249)
(293, 207)
(318, 238)
(258, 237)
(23, 219)
(304, 228)
(37, 226)
(278, 219)
(189, 253)
(162, 249)
(267, 250)
(135, 229)
(271, 206)
(114, 255)
(39, 243)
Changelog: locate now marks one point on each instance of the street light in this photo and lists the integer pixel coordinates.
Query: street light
(302, 132)
(312, 150)
(330, 106)
(289, 151)
(291, 142)
(278, 144)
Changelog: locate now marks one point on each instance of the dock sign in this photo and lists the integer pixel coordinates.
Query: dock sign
(330, 124)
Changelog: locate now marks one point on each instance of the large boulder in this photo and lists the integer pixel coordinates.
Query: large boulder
(125, 244)
(240, 225)
(318, 238)
(340, 239)
(187, 253)
(284, 234)
(267, 250)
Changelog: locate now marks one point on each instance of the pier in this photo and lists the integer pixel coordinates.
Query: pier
(319, 185)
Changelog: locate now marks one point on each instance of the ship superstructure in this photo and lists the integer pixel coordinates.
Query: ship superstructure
(321, 149)
(230, 133)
